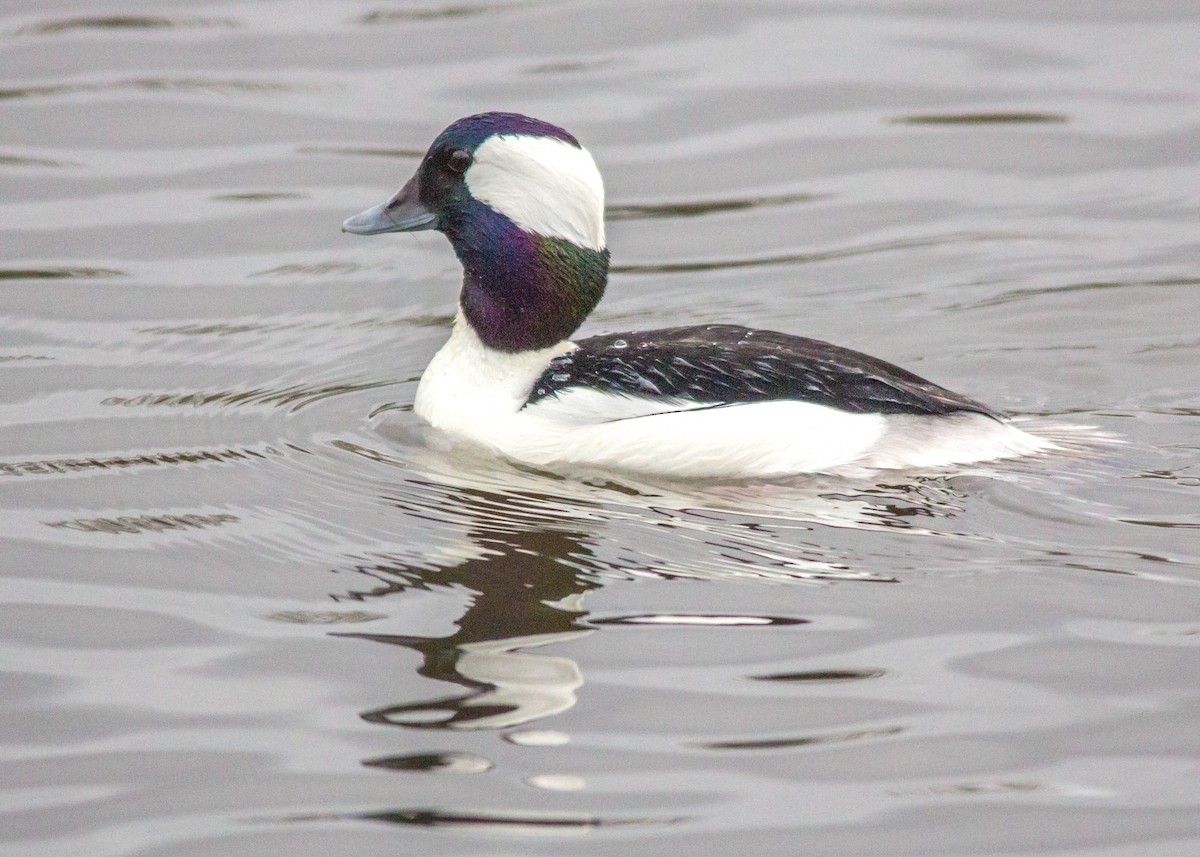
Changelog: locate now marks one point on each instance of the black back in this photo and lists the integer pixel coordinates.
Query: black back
(721, 364)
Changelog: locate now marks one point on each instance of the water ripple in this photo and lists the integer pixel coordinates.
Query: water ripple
(438, 13)
(320, 269)
(997, 118)
(24, 161)
(153, 84)
(378, 152)
(69, 466)
(567, 67)
(802, 740)
(635, 211)
(324, 617)
(1093, 286)
(822, 675)
(257, 196)
(294, 397)
(130, 524)
(229, 328)
(818, 255)
(123, 22)
(1140, 522)
(62, 273)
(532, 822)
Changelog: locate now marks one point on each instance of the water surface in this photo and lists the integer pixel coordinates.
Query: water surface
(245, 607)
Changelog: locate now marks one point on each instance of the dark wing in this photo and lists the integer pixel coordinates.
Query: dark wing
(723, 364)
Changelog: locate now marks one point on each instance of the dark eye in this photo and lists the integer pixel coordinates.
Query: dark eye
(458, 160)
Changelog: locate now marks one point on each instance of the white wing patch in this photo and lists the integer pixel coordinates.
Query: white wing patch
(762, 439)
(545, 186)
(583, 406)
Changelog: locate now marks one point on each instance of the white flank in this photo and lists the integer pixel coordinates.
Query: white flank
(545, 186)
(477, 394)
(962, 438)
(763, 439)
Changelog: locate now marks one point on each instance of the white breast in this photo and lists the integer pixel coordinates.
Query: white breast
(469, 390)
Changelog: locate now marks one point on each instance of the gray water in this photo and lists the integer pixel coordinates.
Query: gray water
(245, 608)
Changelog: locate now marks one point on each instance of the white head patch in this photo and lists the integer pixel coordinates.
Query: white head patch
(545, 186)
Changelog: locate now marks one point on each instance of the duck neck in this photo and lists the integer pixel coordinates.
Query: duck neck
(521, 291)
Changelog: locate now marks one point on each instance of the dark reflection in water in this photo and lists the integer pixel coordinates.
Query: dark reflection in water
(548, 822)
(822, 675)
(57, 273)
(452, 763)
(1185, 525)
(123, 22)
(515, 820)
(528, 559)
(526, 597)
(23, 161)
(803, 740)
(981, 119)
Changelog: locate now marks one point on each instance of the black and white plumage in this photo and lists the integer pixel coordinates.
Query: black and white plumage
(523, 206)
(721, 365)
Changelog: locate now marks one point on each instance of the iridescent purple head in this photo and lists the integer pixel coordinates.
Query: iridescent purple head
(522, 202)
(468, 132)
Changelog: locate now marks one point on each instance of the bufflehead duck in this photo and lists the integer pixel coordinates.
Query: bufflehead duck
(522, 203)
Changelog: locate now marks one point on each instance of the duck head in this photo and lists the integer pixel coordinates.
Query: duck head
(522, 203)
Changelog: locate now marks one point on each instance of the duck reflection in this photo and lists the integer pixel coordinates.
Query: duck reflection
(527, 589)
(529, 558)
